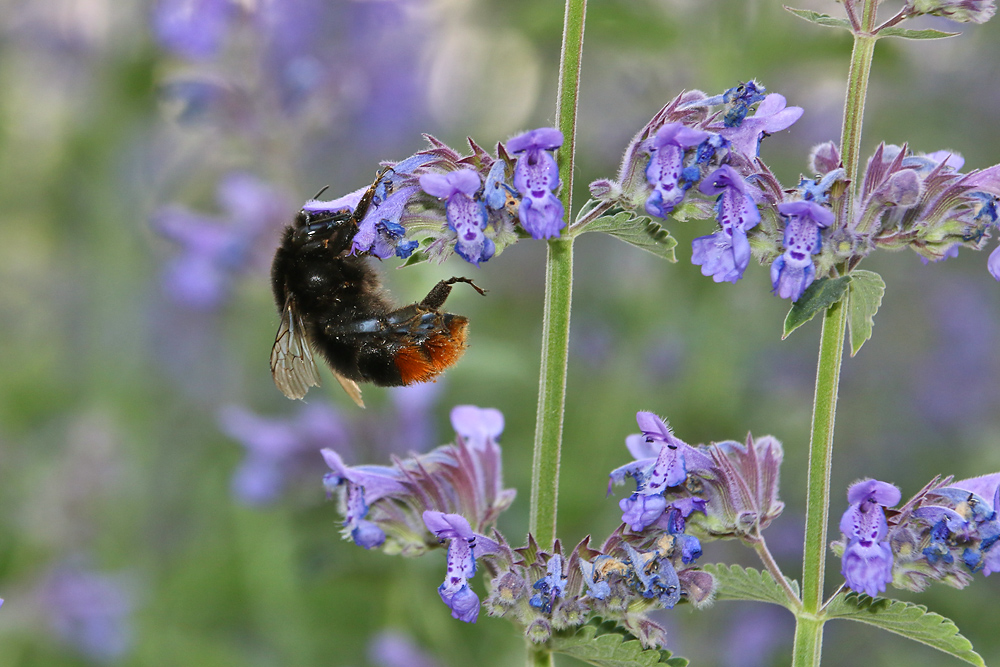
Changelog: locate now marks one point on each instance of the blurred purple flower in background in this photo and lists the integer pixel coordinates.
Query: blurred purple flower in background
(89, 611)
(193, 29)
(391, 648)
(277, 448)
(214, 250)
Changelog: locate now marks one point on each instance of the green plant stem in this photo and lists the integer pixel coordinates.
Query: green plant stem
(760, 546)
(809, 622)
(540, 658)
(857, 89)
(551, 391)
(558, 297)
(809, 625)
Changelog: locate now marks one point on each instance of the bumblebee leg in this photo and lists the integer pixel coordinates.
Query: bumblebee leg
(439, 294)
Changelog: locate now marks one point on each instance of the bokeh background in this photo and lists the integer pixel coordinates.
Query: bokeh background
(160, 500)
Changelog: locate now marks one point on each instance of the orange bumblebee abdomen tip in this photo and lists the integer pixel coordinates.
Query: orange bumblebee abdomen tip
(425, 361)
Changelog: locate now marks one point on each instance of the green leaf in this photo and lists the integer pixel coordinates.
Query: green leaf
(820, 19)
(864, 296)
(639, 230)
(819, 296)
(915, 34)
(907, 619)
(608, 645)
(735, 583)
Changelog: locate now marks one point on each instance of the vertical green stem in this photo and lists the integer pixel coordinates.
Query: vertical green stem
(857, 88)
(831, 351)
(809, 625)
(551, 391)
(558, 296)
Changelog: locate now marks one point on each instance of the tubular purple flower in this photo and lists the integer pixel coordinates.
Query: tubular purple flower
(793, 272)
(536, 177)
(462, 546)
(380, 232)
(466, 215)
(666, 164)
(662, 461)
(495, 191)
(550, 587)
(771, 116)
(867, 560)
(726, 254)
(477, 426)
(365, 485)
(976, 502)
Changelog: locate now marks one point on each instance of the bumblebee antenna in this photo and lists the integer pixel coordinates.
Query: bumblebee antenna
(325, 188)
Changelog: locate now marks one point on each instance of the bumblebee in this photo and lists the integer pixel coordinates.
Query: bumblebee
(332, 303)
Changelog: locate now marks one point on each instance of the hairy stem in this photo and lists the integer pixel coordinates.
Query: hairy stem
(558, 297)
(760, 546)
(857, 89)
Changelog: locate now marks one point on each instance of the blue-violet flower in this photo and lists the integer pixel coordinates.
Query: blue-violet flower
(793, 272)
(725, 254)
(867, 560)
(536, 177)
(466, 214)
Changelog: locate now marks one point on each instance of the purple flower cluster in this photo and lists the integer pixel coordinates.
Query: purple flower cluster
(441, 202)
(946, 533)
(385, 505)
(727, 489)
(214, 251)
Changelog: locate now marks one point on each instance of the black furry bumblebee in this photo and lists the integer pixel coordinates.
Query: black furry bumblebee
(332, 302)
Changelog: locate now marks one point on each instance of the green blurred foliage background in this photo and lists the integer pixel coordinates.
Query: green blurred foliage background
(110, 447)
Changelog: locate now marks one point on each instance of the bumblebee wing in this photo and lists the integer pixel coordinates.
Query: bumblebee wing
(351, 387)
(292, 365)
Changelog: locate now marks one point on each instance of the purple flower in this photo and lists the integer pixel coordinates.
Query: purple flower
(739, 99)
(495, 191)
(536, 177)
(192, 29)
(550, 587)
(662, 461)
(793, 272)
(477, 426)
(379, 232)
(275, 448)
(466, 215)
(726, 254)
(462, 546)
(666, 165)
(771, 116)
(976, 502)
(386, 504)
(365, 485)
(89, 611)
(654, 576)
(215, 250)
(867, 560)
(965, 11)
(394, 649)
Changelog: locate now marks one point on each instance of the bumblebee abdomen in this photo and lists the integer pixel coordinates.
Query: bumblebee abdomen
(423, 361)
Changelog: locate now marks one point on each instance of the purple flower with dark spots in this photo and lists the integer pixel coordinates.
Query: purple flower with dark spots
(536, 177)
(463, 545)
(192, 29)
(654, 576)
(793, 272)
(666, 166)
(867, 560)
(725, 254)
(466, 214)
(771, 116)
(365, 485)
(662, 461)
(976, 503)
